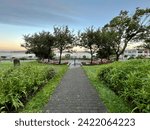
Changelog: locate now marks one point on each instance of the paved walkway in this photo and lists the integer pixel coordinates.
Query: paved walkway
(75, 95)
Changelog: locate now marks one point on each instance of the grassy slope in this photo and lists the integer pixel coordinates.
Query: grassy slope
(112, 102)
(37, 103)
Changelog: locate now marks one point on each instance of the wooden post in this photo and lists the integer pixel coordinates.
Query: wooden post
(16, 62)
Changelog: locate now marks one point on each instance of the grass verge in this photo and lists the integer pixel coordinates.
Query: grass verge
(113, 103)
(36, 104)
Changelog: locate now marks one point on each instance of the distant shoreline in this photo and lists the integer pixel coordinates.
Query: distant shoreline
(16, 54)
(13, 51)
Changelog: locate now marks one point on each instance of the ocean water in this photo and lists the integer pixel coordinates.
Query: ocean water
(16, 54)
(21, 54)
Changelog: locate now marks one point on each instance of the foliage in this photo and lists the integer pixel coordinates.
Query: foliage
(104, 43)
(113, 38)
(40, 44)
(37, 103)
(3, 57)
(129, 28)
(84, 57)
(23, 58)
(112, 102)
(68, 56)
(131, 81)
(88, 40)
(147, 40)
(17, 84)
(64, 39)
(140, 57)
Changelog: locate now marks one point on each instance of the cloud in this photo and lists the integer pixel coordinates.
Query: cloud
(56, 12)
(35, 12)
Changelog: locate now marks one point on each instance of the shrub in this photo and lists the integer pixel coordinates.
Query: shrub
(23, 58)
(131, 81)
(17, 84)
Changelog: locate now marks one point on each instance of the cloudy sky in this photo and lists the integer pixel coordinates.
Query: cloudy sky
(19, 17)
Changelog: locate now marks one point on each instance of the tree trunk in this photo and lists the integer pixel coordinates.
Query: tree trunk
(108, 58)
(122, 51)
(101, 60)
(60, 57)
(49, 51)
(91, 56)
(91, 59)
(117, 57)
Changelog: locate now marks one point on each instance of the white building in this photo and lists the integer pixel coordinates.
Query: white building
(135, 53)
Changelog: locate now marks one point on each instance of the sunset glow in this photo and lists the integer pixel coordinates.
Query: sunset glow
(18, 18)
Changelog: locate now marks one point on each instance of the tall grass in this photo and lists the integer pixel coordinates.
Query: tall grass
(17, 84)
(131, 81)
(41, 98)
(112, 102)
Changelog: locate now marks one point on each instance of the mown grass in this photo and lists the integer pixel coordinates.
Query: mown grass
(113, 103)
(36, 104)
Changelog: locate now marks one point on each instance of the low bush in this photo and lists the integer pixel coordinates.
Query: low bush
(131, 81)
(17, 84)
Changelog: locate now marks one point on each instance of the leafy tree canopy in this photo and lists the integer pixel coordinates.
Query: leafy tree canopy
(88, 40)
(40, 44)
(64, 39)
(129, 28)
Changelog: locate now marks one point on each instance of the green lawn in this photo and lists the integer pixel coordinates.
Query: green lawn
(112, 102)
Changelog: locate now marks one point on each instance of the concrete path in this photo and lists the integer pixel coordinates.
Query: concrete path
(75, 95)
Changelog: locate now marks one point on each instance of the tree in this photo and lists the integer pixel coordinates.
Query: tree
(64, 39)
(40, 44)
(88, 40)
(147, 39)
(128, 28)
(104, 40)
(147, 45)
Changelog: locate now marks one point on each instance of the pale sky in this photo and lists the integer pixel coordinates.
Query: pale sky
(19, 17)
